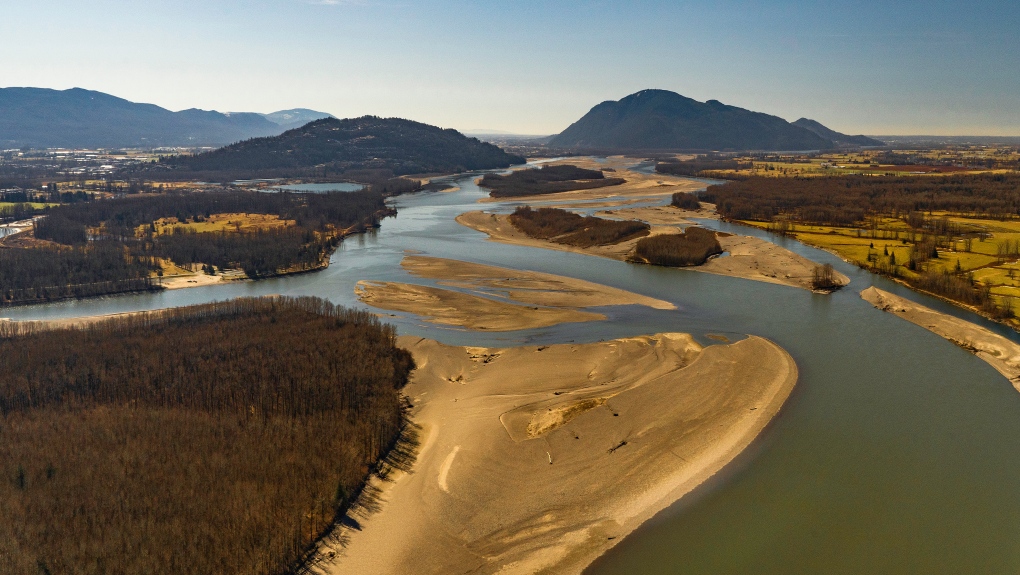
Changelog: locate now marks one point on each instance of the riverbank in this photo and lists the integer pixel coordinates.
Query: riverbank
(637, 185)
(999, 352)
(498, 299)
(599, 437)
(747, 257)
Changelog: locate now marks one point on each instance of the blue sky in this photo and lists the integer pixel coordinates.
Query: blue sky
(534, 67)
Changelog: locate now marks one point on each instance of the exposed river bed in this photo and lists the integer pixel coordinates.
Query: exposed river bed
(898, 452)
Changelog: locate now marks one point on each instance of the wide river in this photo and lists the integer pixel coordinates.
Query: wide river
(898, 452)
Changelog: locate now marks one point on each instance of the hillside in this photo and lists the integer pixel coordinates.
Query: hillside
(366, 143)
(838, 138)
(663, 120)
(77, 118)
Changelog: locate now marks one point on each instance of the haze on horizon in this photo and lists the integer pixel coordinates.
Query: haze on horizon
(934, 68)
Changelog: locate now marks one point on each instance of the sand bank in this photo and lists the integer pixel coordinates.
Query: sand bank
(661, 215)
(1001, 353)
(449, 307)
(539, 459)
(748, 257)
(637, 184)
(525, 286)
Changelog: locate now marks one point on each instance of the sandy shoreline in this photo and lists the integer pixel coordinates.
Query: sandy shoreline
(998, 351)
(449, 307)
(539, 459)
(637, 184)
(748, 257)
(499, 299)
(525, 286)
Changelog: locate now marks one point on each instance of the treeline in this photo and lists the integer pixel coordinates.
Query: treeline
(50, 274)
(546, 180)
(120, 218)
(847, 200)
(113, 245)
(698, 166)
(223, 438)
(262, 253)
(685, 201)
(692, 247)
(568, 228)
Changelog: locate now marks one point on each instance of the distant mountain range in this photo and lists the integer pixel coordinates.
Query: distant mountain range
(366, 143)
(78, 118)
(664, 120)
(838, 138)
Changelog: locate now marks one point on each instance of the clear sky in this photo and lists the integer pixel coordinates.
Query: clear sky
(904, 67)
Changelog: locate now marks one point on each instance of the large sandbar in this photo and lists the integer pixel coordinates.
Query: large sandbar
(539, 459)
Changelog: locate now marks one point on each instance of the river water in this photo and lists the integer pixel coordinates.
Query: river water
(898, 452)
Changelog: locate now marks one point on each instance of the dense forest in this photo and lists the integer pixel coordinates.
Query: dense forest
(222, 438)
(698, 166)
(546, 180)
(692, 247)
(568, 228)
(338, 146)
(847, 200)
(53, 273)
(685, 201)
(112, 246)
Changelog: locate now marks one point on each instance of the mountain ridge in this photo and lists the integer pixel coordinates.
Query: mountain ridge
(80, 118)
(366, 143)
(838, 138)
(662, 120)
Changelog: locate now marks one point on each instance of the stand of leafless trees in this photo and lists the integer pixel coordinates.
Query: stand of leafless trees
(222, 438)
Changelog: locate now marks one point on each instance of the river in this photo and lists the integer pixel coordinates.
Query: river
(897, 453)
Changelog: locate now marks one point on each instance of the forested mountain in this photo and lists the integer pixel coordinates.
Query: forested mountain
(663, 120)
(366, 143)
(838, 138)
(77, 118)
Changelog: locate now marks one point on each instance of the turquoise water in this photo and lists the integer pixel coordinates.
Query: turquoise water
(898, 452)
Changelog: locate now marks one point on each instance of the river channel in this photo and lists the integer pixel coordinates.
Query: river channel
(898, 452)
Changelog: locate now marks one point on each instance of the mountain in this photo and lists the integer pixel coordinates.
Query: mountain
(290, 119)
(664, 120)
(366, 143)
(77, 118)
(837, 137)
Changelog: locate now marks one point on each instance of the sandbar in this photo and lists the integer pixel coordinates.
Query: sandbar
(998, 351)
(637, 185)
(525, 286)
(747, 257)
(539, 459)
(449, 307)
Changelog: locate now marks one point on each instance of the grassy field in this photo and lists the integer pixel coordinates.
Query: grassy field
(35, 205)
(886, 244)
(246, 223)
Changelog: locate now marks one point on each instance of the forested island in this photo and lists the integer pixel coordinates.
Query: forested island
(126, 244)
(546, 180)
(218, 438)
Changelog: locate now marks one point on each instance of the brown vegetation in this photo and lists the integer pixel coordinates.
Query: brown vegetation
(823, 278)
(849, 199)
(568, 228)
(685, 201)
(692, 247)
(222, 438)
(112, 246)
